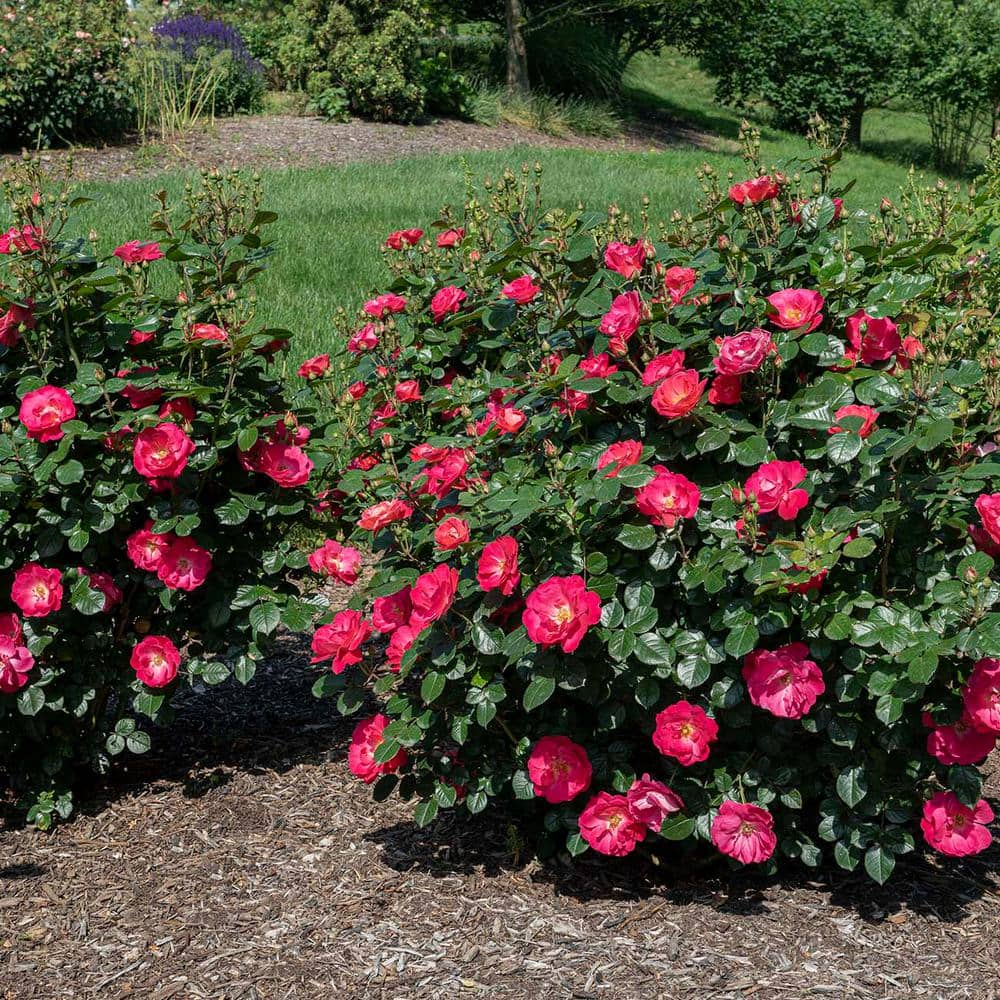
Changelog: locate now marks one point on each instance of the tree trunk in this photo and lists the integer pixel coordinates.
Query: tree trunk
(854, 123)
(517, 53)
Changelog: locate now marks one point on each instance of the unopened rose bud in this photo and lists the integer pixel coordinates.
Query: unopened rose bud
(182, 297)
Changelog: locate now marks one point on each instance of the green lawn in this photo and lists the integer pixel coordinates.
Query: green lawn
(333, 220)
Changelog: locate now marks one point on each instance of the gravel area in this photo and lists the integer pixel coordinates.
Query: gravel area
(241, 860)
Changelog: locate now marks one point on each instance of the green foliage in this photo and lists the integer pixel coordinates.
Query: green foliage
(122, 339)
(447, 92)
(332, 104)
(61, 72)
(892, 616)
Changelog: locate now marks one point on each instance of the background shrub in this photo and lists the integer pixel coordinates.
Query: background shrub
(631, 489)
(61, 72)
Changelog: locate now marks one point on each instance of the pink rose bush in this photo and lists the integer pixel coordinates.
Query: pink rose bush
(726, 582)
(152, 460)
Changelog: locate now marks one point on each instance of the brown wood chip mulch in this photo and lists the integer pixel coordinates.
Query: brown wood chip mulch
(278, 141)
(241, 860)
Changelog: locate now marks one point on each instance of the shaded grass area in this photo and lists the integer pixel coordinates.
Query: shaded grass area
(332, 220)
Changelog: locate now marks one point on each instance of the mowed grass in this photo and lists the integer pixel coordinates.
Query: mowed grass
(333, 220)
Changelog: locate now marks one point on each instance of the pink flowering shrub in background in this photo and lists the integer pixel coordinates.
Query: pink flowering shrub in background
(150, 464)
(686, 533)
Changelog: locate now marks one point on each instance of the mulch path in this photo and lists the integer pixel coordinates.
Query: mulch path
(241, 860)
(278, 141)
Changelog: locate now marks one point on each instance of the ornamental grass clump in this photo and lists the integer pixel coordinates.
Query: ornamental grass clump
(683, 533)
(151, 463)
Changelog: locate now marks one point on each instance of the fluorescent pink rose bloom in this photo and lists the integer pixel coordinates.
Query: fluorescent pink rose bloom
(773, 488)
(954, 829)
(609, 827)
(103, 583)
(315, 367)
(743, 353)
(744, 832)
(651, 802)
(184, 566)
(521, 290)
(287, 464)
(981, 695)
(432, 595)
(988, 508)
(497, 568)
(559, 769)
(667, 497)
(400, 640)
(960, 743)
(37, 591)
(662, 366)
(209, 332)
(685, 732)
(392, 611)
(146, 548)
(755, 190)
(403, 237)
(160, 454)
(450, 237)
(619, 455)
(13, 321)
(678, 281)
(796, 309)
(376, 517)
(598, 366)
(622, 320)
(16, 662)
(784, 681)
(872, 339)
(10, 626)
(725, 390)
(155, 660)
(384, 305)
(447, 300)
(135, 252)
(341, 640)
(559, 611)
(627, 259)
(23, 240)
(44, 411)
(866, 413)
(340, 562)
(451, 533)
(407, 391)
(678, 394)
(365, 339)
(365, 740)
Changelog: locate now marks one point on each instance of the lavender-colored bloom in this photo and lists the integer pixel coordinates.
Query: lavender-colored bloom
(192, 32)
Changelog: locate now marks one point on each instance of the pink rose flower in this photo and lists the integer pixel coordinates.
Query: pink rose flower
(10, 626)
(784, 681)
(13, 322)
(685, 732)
(744, 832)
(161, 453)
(678, 394)
(37, 591)
(627, 259)
(16, 663)
(743, 353)
(559, 611)
(365, 740)
(384, 305)
(667, 497)
(403, 237)
(287, 464)
(953, 828)
(104, 584)
(872, 339)
(651, 802)
(678, 281)
(960, 743)
(662, 366)
(392, 611)
(796, 309)
(207, 332)
(559, 769)
(451, 533)
(400, 641)
(521, 290)
(619, 455)
(432, 595)
(598, 366)
(376, 517)
(184, 566)
(988, 508)
(981, 695)
(447, 300)
(772, 488)
(725, 390)
(44, 411)
(341, 640)
(571, 401)
(315, 367)
(621, 321)
(407, 391)
(866, 413)
(155, 660)
(451, 237)
(23, 240)
(135, 252)
(497, 568)
(755, 190)
(146, 548)
(365, 339)
(339, 562)
(608, 826)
